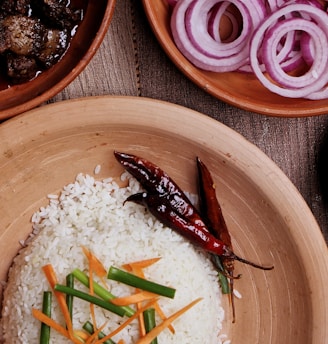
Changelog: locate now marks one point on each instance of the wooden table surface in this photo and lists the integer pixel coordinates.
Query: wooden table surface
(131, 62)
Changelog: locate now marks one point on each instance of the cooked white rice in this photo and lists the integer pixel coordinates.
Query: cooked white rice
(91, 213)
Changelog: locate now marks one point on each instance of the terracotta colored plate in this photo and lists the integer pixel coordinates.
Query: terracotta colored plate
(23, 97)
(44, 149)
(238, 89)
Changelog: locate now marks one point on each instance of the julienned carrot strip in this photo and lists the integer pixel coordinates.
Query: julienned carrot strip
(53, 324)
(134, 298)
(141, 264)
(137, 270)
(87, 326)
(161, 314)
(159, 328)
(80, 334)
(95, 334)
(95, 263)
(121, 341)
(127, 322)
(141, 320)
(61, 298)
(94, 266)
(92, 337)
(50, 322)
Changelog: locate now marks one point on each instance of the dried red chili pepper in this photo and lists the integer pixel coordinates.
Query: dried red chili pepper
(210, 207)
(166, 201)
(157, 182)
(196, 231)
(212, 215)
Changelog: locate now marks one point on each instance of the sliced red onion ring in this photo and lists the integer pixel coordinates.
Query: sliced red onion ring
(198, 34)
(217, 13)
(319, 33)
(322, 94)
(172, 3)
(284, 49)
(295, 61)
(307, 48)
(187, 48)
(273, 37)
(286, 36)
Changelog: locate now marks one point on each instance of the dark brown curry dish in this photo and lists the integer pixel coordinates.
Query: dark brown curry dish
(34, 35)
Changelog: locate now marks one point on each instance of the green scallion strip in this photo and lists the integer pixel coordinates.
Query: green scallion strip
(140, 283)
(150, 322)
(92, 299)
(223, 280)
(46, 309)
(69, 298)
(89, 328)
(99, 290)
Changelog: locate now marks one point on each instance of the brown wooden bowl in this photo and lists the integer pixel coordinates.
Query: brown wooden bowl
(238, 89)
(19, 98)
(44, 149)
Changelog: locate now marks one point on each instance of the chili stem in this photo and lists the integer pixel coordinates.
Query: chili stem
(46, 309)
(99, 290)
(92, 299)
(90, 329)
(140, 283)
(150, 322)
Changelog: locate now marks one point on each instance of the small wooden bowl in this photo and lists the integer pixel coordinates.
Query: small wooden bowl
(19, 98)
(270, 223)
(238, 89)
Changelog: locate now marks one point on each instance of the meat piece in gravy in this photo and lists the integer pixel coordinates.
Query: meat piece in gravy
(34, 35)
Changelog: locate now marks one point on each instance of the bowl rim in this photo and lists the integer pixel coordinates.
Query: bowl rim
(120, 112)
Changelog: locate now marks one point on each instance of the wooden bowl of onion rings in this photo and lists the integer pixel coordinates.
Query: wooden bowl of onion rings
(265, 59)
